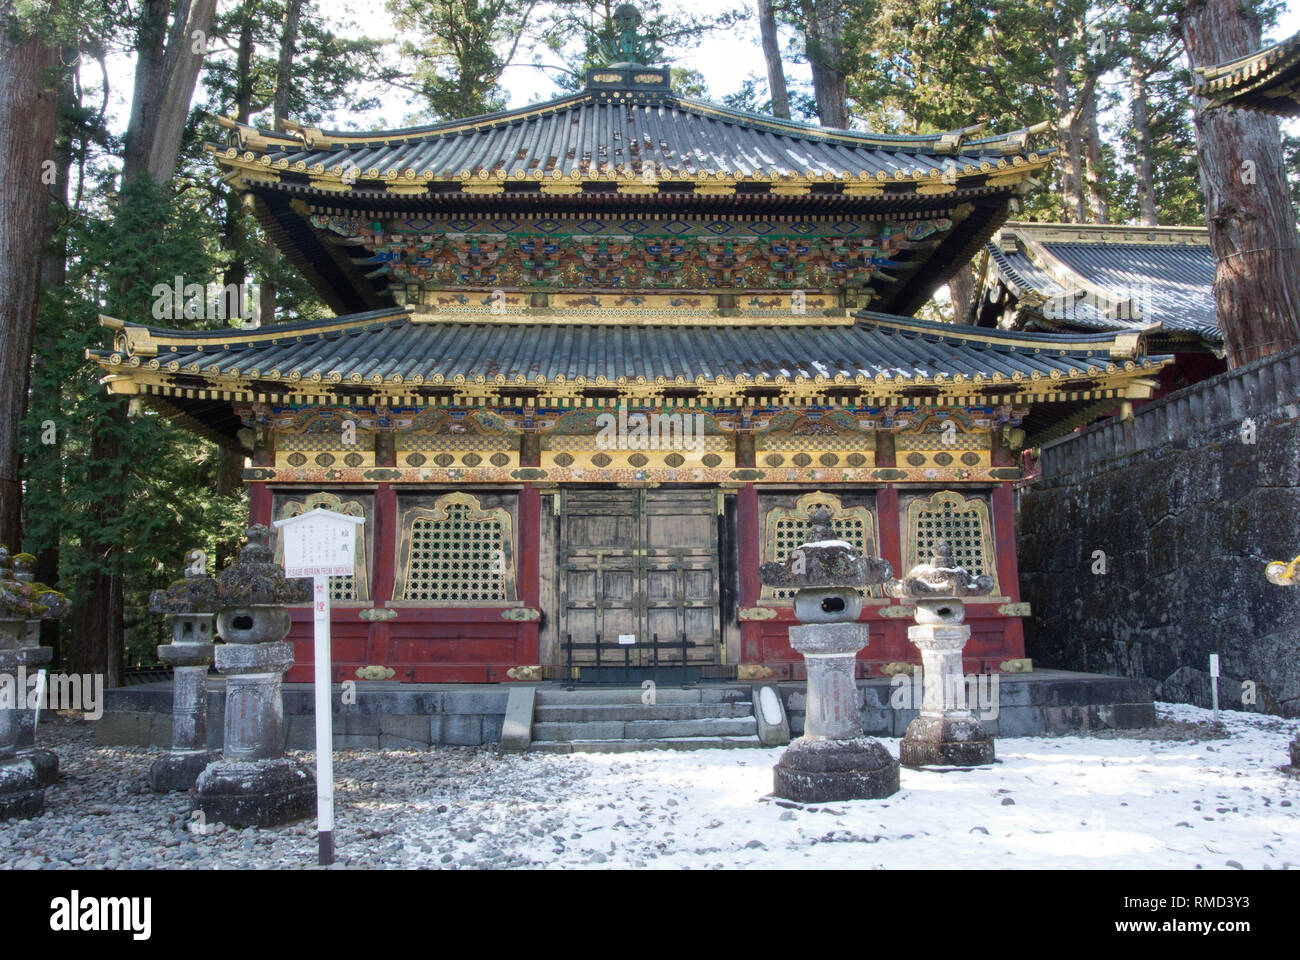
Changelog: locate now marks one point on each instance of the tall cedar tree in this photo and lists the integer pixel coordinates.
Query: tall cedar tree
(1247, 201)
(29, 99)
(170, 45)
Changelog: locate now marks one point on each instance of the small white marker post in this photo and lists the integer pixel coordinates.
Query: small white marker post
(1214, 684)
(321, 544)
(40, 695)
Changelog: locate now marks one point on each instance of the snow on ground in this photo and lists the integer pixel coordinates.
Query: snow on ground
(1180, 795)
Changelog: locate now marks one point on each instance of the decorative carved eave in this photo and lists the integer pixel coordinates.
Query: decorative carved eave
(1267, 80)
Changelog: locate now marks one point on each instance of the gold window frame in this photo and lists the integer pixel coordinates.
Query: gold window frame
(960, 504)
(351, 508)
(801, 511)
(440, 513)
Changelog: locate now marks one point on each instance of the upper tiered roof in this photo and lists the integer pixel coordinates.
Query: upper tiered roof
(624, 148)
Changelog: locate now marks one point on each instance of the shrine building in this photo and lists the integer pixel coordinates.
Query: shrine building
(597, 359)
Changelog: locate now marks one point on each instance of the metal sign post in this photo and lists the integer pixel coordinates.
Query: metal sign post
(321, 544)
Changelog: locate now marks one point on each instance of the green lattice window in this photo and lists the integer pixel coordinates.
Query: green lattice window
(963, 522)
(457, 553)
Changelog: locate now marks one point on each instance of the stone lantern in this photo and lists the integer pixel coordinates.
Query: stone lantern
(1287, 575)
(24, 770)
(191, 605)
(56, 608)
(946, 733)
(833, 760)
(255, 784)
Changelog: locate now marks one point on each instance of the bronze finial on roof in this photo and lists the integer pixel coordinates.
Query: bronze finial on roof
(630, 47)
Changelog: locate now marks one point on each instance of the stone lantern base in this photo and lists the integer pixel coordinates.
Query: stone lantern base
(945, 742)
(256, 793)
(25, 771)
(822, 769)
(179, 770)
(22, 795)
(46, 764)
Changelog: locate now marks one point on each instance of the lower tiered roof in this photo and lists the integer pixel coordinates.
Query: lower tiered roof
(397, 358)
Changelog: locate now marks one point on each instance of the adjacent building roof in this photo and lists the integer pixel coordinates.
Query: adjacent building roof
(399, 359)
(1081, 277)
(1267, 80)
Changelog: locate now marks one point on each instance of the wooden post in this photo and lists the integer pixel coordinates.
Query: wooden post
(1004, 547)
(528, 569)
(749, 548)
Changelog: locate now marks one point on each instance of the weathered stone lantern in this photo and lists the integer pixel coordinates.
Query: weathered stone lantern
(56, 608)
(833, 760)
(1285, 574)
(191, 605)
(255, 784)
(946, 733)
(24, 770)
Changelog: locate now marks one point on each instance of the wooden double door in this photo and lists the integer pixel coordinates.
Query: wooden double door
(640, 563)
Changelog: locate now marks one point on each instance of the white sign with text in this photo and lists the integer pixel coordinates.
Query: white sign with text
(321, 544)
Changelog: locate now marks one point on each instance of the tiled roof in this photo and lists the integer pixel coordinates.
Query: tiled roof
(628, 148)
(1267, 80)
(1104, 278)
(400, 354)
(586, 137)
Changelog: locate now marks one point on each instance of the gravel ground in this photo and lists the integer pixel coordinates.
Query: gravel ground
(1183, 794)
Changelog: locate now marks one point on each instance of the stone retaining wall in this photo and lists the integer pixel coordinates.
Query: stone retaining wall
(1183, 511)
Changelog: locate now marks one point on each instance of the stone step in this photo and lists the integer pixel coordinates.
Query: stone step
(664, 694)
(629, 746)
(560, 713)
(646, 729)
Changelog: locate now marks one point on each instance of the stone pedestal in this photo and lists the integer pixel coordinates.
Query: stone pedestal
(254, 784)
(22, 786)
(189, 655)
(946, 733)
(25, 772)
(44, 761)
(833, 760)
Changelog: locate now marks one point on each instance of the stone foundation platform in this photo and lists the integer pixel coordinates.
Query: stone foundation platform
(414, 716)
